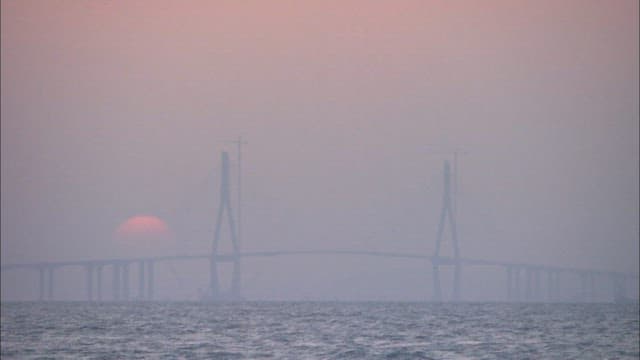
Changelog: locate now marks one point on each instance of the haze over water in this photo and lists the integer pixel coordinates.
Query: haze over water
(111, 110)
(114, 116)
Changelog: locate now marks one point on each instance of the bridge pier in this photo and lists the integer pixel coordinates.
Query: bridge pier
(116, 281)
(509, 271)
(50, 284)
(41, 283)
(517, 292)
(619, 288)
(536, 285)
(214, 286)
(141, 280)
(437, 290)
(528, 294)
(528, 288)
(235, 279)
(150, 269)
(125, 281)
(457, 270)
(89, 274)
(587, 286)
(550, 296)
(557, 294)
(99, 282)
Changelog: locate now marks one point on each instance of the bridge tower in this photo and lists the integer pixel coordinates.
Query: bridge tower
(225, 208)
(447, 213)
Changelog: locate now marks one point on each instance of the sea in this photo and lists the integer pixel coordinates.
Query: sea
(318, 330)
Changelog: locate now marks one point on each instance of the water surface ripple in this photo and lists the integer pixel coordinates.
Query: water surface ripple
(323, 330)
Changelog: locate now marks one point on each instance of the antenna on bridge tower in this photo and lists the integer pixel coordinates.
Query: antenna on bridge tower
(225, 206)
(448, 210)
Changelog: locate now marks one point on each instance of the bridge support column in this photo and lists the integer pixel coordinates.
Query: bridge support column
(437, 290)
(517, 283)
(141, 280)
(50, 284)
(99, 282)
(583, 287)
(550, 297)
(556, 286)
(456, 280)
(235, 280)
(150, 280)
(509, 283)
(587, 279)
(41, 283)
(116, 281)
(537, 290)
(214, 286)
(528, 294)
(125, 281)
(89, 273)
(619, 288)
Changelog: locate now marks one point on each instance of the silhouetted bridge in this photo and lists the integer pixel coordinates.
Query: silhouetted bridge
(523, 281)
(518, 288)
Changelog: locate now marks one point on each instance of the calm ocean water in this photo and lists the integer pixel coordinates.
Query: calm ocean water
(307, 330)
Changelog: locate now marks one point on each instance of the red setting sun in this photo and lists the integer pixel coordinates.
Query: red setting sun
(143, 235)
(143, 226)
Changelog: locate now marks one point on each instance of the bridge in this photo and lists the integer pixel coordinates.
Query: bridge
(523, 281)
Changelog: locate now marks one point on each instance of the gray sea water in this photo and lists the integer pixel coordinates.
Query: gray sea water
(323, 330)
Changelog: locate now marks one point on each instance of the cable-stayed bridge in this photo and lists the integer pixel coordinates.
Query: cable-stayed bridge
(523, 281)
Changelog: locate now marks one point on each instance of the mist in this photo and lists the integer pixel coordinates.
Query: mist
(349, 110)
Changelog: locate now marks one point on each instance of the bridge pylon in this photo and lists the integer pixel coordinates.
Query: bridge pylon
(447, 213)
(224, 207)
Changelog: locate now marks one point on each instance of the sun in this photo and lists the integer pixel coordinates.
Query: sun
(143, 225)
(143, 235)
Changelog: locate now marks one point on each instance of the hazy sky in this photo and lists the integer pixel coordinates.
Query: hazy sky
(117, 108)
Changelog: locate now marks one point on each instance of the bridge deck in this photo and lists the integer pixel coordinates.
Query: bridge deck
(440, 260)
